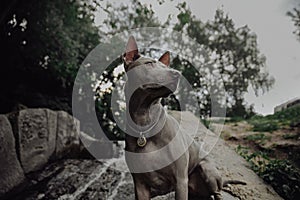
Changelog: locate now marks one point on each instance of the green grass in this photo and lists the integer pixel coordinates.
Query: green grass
(290, 136)
(205, 122)
(281, 174)
(284, 177)
(234, 119)
(287, 118)
(260, 137)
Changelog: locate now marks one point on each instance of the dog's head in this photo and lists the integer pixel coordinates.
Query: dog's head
(148, 77)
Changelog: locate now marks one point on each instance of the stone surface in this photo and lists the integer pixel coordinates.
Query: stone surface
(97, 148)
(68, 131)
(71, 179)
(102, 187)
(10, 169)
(35, 130)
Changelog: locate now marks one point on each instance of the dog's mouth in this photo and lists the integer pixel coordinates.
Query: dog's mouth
(154, 86)
(151, 86)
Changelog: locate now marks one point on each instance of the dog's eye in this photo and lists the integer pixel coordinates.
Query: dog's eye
(150, 64)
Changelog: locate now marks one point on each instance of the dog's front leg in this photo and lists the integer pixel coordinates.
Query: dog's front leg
(141, 190)
(181, 192)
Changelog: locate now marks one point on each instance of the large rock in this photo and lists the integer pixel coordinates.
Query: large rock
(35, 130)
(68, 131)
(10, 169)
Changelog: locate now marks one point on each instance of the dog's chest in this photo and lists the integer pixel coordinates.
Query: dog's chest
(160, 181)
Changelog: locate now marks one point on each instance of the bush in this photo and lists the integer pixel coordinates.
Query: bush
(290, 136)
(283, 176)
(261, 137)
(265, 126)
(235, 119)
(289, 117)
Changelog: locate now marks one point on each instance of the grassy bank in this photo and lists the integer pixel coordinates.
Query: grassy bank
(284, 119)
(271, 145)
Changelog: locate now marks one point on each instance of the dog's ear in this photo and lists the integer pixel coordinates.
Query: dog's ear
(131, 52)
(165, 59)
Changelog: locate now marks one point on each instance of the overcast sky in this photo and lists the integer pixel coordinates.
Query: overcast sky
(267, 18)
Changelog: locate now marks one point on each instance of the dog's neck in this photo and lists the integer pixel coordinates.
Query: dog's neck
(143, 112)
(145, 115)
(146, 122)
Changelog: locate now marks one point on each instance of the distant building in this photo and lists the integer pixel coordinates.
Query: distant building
(289, 104)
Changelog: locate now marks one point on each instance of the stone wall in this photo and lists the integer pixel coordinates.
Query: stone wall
(30, 138)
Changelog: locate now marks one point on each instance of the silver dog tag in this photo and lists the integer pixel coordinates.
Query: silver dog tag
(141, 141)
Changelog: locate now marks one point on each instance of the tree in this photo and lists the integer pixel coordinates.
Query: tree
(133, 15)
(42, 46)
(295, 15)
(236, 55)
(235, 50)
(119, 20)
(44, 42)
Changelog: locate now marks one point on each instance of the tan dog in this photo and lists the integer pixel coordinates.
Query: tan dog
(150, 129)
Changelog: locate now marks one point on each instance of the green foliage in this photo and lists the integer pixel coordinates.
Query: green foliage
(264, 125)
(283, 176)
(234, 119)
(205, 122)
(43, 44)
(120, 19)
(295, 16)
(291, 136)
(286, 116)
(269, 123)
(103, 103)
(59, 34)
(235, 50)
(236, 56)
(125, 17)
(261, 138)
